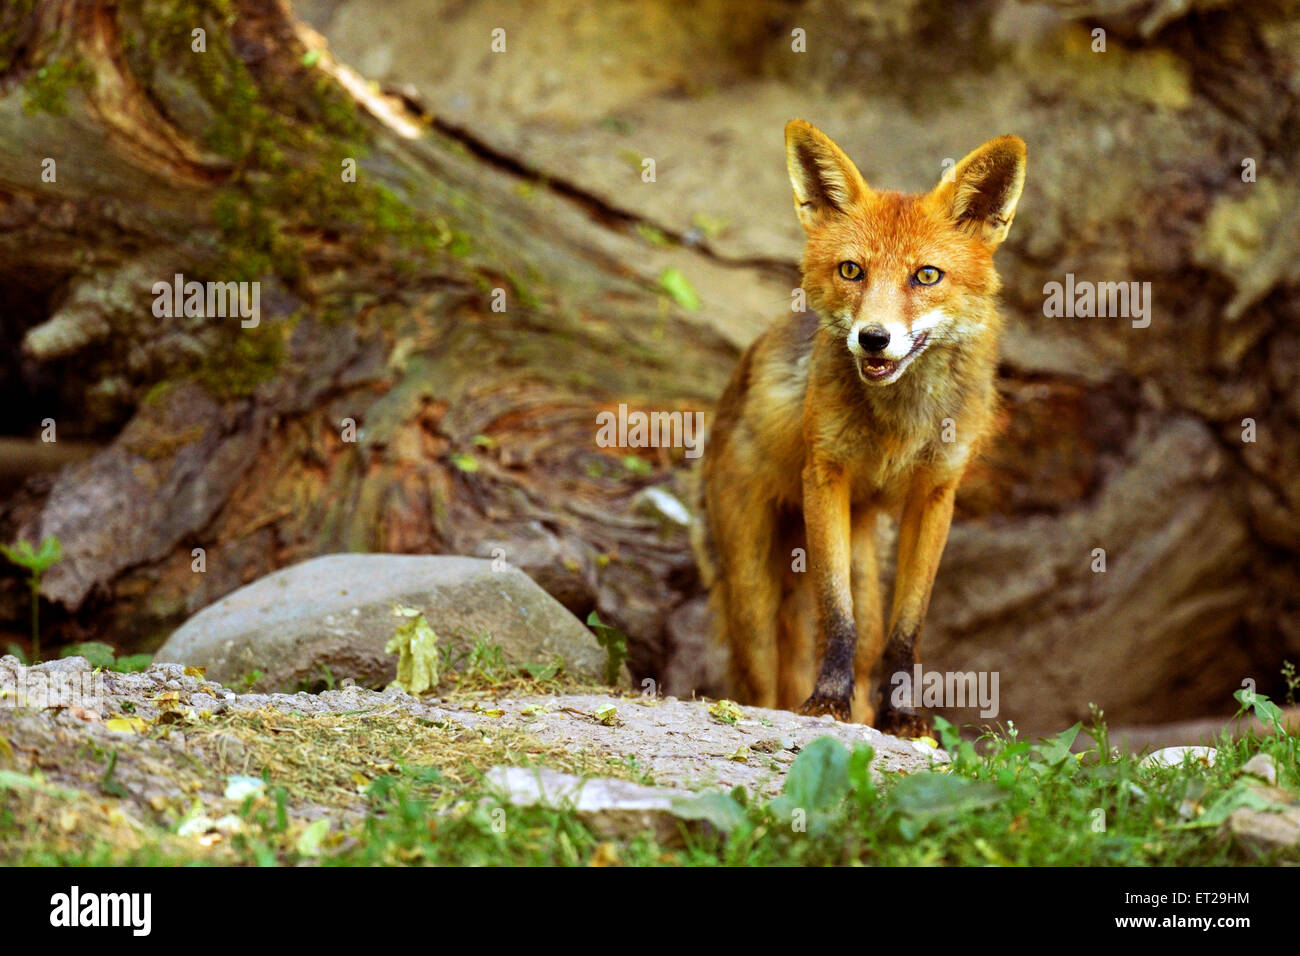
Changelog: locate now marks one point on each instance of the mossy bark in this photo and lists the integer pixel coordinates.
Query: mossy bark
(474, 428)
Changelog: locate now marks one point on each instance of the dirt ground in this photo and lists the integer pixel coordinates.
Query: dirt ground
(98, 751)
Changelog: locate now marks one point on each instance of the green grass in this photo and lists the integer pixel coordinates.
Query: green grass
(1002, 801)
(1016, 804)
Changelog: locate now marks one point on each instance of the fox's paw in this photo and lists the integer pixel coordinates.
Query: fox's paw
(904, 722)
(818, 704)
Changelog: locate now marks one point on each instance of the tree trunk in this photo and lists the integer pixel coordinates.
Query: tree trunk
(474, 425)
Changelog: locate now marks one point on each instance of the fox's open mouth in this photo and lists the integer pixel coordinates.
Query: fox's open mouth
(876, 368)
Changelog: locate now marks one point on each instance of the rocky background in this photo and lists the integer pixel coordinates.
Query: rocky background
(1169, 157)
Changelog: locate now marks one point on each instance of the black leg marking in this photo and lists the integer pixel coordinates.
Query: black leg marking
(833, 692)
(904, 720)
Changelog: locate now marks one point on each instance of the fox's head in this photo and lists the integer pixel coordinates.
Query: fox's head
(897, 274)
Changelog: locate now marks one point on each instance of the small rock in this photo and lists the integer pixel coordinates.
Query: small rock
(1265, 830)
(240, 787)
(167, 673)
(1263, 767)
(1174, 756)
(64, 665)
(661, 504)
(613, 808)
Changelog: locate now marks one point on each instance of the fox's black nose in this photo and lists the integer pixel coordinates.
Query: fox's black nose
(873, 338)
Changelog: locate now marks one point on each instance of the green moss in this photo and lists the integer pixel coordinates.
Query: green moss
(158, 393)
(47, 88)
(460, 246)
(285, 135)
(524, 293)
(158, 38)
(252, 357)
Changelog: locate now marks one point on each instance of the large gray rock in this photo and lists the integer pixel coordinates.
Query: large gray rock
(336, 612)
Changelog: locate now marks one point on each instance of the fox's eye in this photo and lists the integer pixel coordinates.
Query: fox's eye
(851, 271)
(928, 275)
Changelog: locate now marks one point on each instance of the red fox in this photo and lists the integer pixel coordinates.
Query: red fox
(873, 399)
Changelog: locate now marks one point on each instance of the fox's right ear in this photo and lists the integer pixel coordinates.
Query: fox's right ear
(825, 181)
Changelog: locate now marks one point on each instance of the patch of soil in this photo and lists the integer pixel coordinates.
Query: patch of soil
(87, 752)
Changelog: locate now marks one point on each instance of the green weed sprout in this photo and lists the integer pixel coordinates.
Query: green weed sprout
(37, 561)
(615, 643)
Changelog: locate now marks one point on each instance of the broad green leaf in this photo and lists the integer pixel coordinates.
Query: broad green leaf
(819, 777)
(133, 663)
(948, 734)
(312, 836)
(719, 809)
(95, 653)
(1056, 750)
(1267, 711)
(860, 770)
(543, 671)
(924, 797)
(35, 560)
(1239, 795)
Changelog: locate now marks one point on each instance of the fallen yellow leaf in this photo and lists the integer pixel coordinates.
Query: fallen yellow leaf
(126, 725)
(606, 855)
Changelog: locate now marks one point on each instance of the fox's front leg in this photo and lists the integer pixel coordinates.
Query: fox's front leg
(922, 534)
(751, 592)
(826, 520)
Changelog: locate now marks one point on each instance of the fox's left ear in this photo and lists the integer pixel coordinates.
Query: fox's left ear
(981, 192)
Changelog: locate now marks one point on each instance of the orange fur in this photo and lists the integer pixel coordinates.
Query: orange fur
(822, 427)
